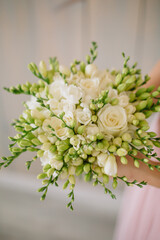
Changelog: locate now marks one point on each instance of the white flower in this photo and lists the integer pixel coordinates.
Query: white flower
(90, 70)
(57, 89)
(83, 115)
(64, 70)
(105, 78)
(112, 93)
(32, 103)
(110, 167)
(47, 156)
(56, 124)
(90, 86)
(130, 109)
(92, 129)
(101, 159)
(73, 94)
(57, 164)
(112, 120)
(123, 100)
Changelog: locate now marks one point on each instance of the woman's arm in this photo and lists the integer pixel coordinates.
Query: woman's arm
(143, 173)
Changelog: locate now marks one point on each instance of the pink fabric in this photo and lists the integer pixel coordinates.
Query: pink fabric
(139, 218)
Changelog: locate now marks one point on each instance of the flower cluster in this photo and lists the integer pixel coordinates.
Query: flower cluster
(80, 119)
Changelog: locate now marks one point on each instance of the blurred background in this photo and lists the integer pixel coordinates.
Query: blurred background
(32, 30)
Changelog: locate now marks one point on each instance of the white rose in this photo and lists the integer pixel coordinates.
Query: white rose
(101, 159)
(83, 115)
(112, 120)
(110, 167)
(90, 86)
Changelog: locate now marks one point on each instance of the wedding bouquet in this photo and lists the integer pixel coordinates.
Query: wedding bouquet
(80, 119)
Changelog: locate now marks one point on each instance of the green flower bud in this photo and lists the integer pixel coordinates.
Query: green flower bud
(135, 122)
(144, 96)
(46, 167)
(112, 148)
(114, 101)
(25, 143)
(100, 145)
(72, 179)
(151, 88)
(105, 179)
(127, 137)
(157, 108)
(105, 143)
(140, 91)
(43, 68)
(144, 125)
(65, 184)
(91, 159)
(121, 152)
(15, 149)
(132, 97)
(79, 170)
(93, 138)
(100, 105)
(114, 184)
(42, 176)
(136, 163)
(40, 153)
(72, 151)
(83, 155)
(156, 143)
(58, 157)
(125, 70)
(100, 136)
(149, 102)
(36, 142)
(81, 129)
(141, 105)
(139, 115)
(38, 122)
(62, 147)
(148, 113)
(88, 177)
(82, 67)
(126, 146)
(44, 182)
(155, 93)
(117, 141)
(118, 79)
(50, 172)
(74, 140)
(94, 118)
(88, 59)
(152, 134)
(92, 106)
(124, 160)
(53, 149)
(137, 142)
(67, 158)
(87, 168)
(145, 160)
(121, 87)
(27, 127)
(70, 133)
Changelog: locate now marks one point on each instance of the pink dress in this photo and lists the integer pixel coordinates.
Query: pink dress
(139, 218)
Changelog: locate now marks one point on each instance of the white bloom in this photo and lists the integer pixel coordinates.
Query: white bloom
(90, 86)
(47, 156)
(64, 70)
(56, 124)
(57, 89)
(55, 106)
(92, 129)
(110, 167)
(73, 94)
(112, 120)
(101, 159)
(105, 78)
(56, 163)
(112, 93)
(32, 103)
(90, 70)
(130, 109)
(123, 100)
(83, 115)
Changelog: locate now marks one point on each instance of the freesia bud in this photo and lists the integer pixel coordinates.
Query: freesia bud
(111, 166)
